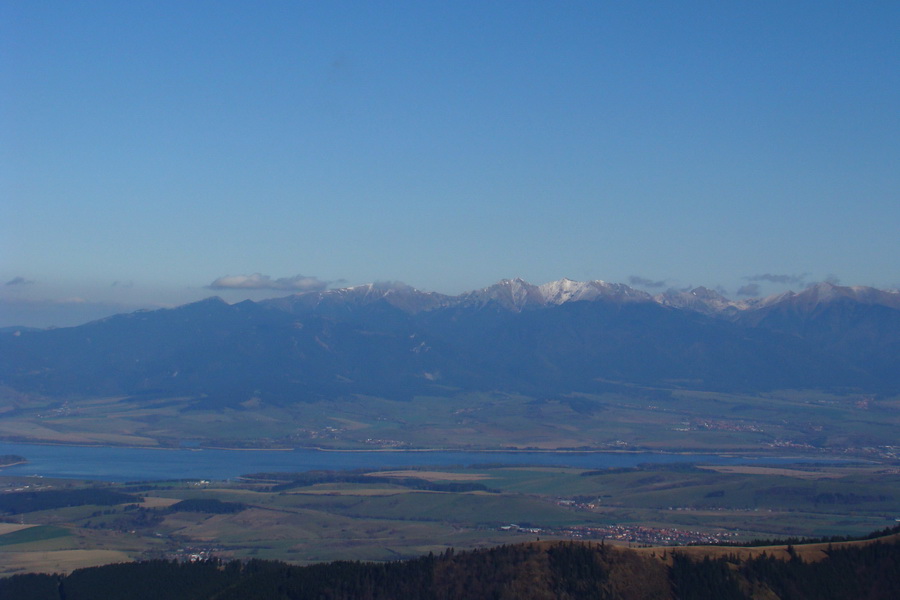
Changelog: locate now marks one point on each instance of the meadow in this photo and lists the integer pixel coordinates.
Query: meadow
(307, 518)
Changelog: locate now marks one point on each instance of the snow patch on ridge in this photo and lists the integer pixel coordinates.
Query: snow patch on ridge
(566, 290)
(517, 295)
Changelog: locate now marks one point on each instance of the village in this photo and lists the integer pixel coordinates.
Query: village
(630, 534)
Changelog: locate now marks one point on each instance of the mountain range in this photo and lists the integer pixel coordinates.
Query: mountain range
(394, 341)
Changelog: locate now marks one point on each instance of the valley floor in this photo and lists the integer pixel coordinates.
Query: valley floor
(311, 517)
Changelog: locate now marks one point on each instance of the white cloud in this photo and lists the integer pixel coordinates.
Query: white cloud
(257, 281)
(778, 278)
(644, 282)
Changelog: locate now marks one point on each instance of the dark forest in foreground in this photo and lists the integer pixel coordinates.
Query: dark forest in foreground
(564, 570)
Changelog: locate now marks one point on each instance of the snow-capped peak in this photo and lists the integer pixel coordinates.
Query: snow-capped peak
(566, 290)
(513, 294)
(826, 292)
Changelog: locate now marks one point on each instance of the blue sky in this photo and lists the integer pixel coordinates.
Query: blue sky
(150, 149)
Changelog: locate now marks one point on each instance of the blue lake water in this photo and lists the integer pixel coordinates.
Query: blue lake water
(141, 464)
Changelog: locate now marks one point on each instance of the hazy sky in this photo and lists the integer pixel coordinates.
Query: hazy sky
(153, 153)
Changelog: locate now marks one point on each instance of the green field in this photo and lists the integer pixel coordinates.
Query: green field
(798, 422)
(392, 515)
(33, 534)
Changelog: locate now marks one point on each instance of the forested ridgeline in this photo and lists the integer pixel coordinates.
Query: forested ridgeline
(561, 570)
(870, 571)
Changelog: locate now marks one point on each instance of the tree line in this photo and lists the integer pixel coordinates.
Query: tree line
(532, 571)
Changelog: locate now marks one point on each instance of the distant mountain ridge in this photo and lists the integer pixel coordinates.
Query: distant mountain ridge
(395, 341)
(518, 294)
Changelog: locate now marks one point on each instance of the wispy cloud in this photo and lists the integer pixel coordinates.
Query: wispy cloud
(751, 289)
(832, 279)
(644, 282)
(772, 278)
(19, 281)
(258, 281)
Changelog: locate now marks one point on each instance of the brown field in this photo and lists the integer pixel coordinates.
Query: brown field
(352, 492)
(432, 475)
(23, 429)
(745, 470)
(157, 502)
(121, 439)
(58, 561)
(350, 424)
(19, 429)
(10, 527)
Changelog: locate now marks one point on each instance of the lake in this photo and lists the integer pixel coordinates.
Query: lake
(139, 464)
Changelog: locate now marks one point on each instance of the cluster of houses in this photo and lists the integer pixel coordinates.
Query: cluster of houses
(632, 534)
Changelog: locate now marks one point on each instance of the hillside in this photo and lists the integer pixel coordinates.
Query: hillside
(562, 570)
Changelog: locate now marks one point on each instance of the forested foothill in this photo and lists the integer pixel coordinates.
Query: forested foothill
(561, 570)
